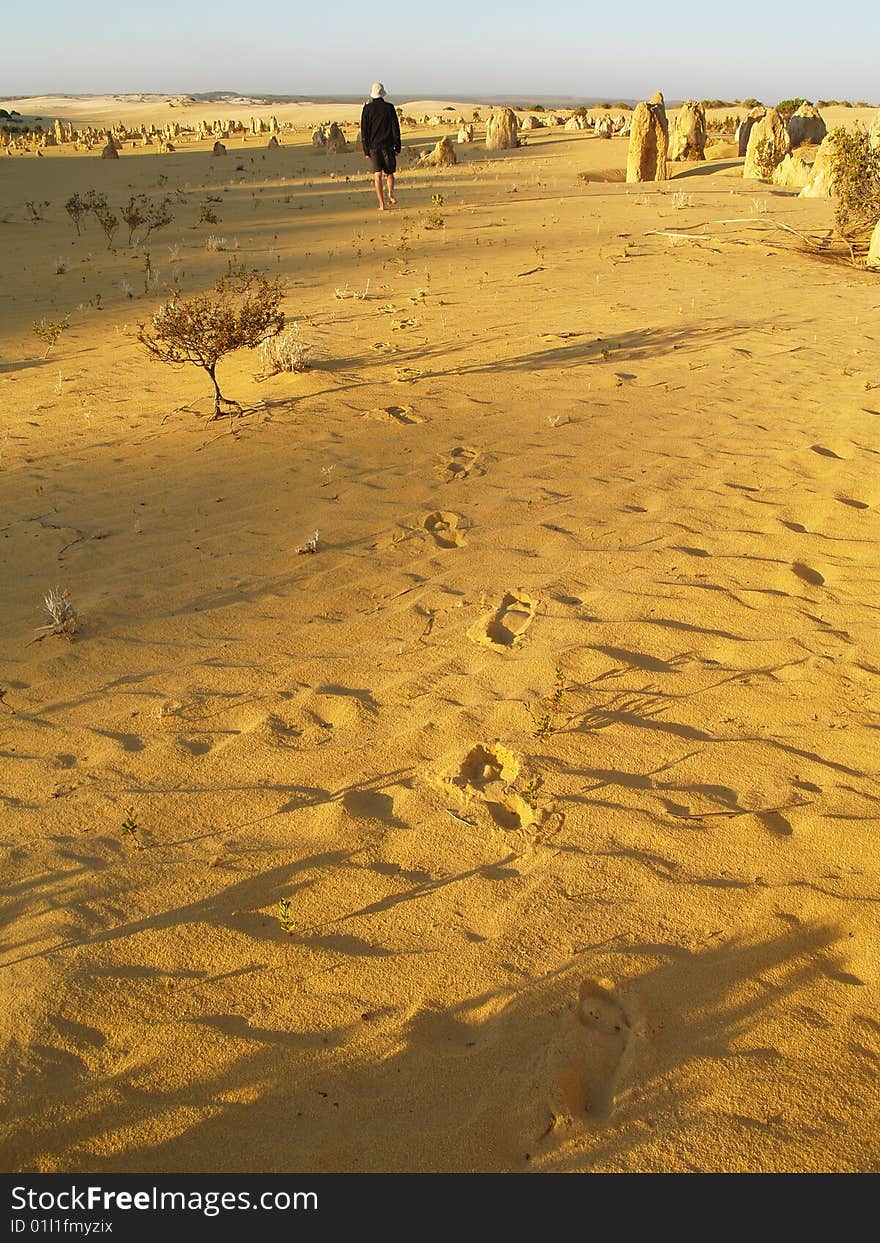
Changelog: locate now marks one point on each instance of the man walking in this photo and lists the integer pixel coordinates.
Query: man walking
(380, 139)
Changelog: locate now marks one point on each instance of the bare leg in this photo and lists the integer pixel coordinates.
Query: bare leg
(391, 198)
(380, 195)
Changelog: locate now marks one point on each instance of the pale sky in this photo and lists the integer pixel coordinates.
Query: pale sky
(614, 48)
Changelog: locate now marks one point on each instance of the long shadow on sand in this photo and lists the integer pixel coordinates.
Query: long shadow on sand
(476, 1081)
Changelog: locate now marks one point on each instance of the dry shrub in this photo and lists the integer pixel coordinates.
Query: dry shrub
(286, 351)
(856, 173)
(240, 312)
(767, 158)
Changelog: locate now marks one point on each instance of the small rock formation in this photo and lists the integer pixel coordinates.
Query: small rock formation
(687, 138)
(465, 133)
(336, 143)
(648, 141)
(554, 119)
(604, 127)
(110, 152)
(806, 126)
(575, 122)
(820, 184)
(165, 147)
(218, 148)
(531, 122)
(273, 144)
(792, 173)
(319, 138)
(769, 144)
(744, 129)
(440, 156)
(501, 130)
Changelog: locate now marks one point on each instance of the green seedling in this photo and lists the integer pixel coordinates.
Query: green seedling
(131, 828)
(285, 916)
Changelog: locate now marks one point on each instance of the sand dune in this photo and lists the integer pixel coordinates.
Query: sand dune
(631, 927)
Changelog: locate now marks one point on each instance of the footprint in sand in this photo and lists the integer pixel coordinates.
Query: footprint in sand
(508, 624)
(463, 461)
(444, 529)
(488, 772)
(588, 1082)
(404, 415)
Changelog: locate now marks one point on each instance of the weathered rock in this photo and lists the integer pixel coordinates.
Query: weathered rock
(806, 126)
(109, 152)
(465, 133)
(218, 149)
(648, 142)
(319, 138)
(873, 259)
(769, 144)
(165, 147)
(576, 122)
(820, 184)
(501, 130)
(687, 137)
(531, 122)
(792, 173)
(336, 143)
(273, 144)
(554, 119)
(744, 129)
(440, 156)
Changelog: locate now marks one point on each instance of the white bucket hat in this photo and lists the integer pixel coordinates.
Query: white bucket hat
(377, 90)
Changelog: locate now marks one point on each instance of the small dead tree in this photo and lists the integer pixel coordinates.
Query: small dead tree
(76, 208)
(139, 212)
(241, 311)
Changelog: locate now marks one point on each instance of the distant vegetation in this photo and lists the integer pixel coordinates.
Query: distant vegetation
(788, 106)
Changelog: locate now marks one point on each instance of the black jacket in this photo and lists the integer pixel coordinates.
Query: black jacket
(380, 128)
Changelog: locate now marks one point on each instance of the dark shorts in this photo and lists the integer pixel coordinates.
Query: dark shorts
(383, 160)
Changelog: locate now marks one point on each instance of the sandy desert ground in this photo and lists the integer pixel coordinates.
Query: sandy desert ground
(634, 928)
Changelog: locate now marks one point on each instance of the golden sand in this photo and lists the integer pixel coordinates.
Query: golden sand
(622, 917)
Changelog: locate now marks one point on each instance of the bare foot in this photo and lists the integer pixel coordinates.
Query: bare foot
(392, 199)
